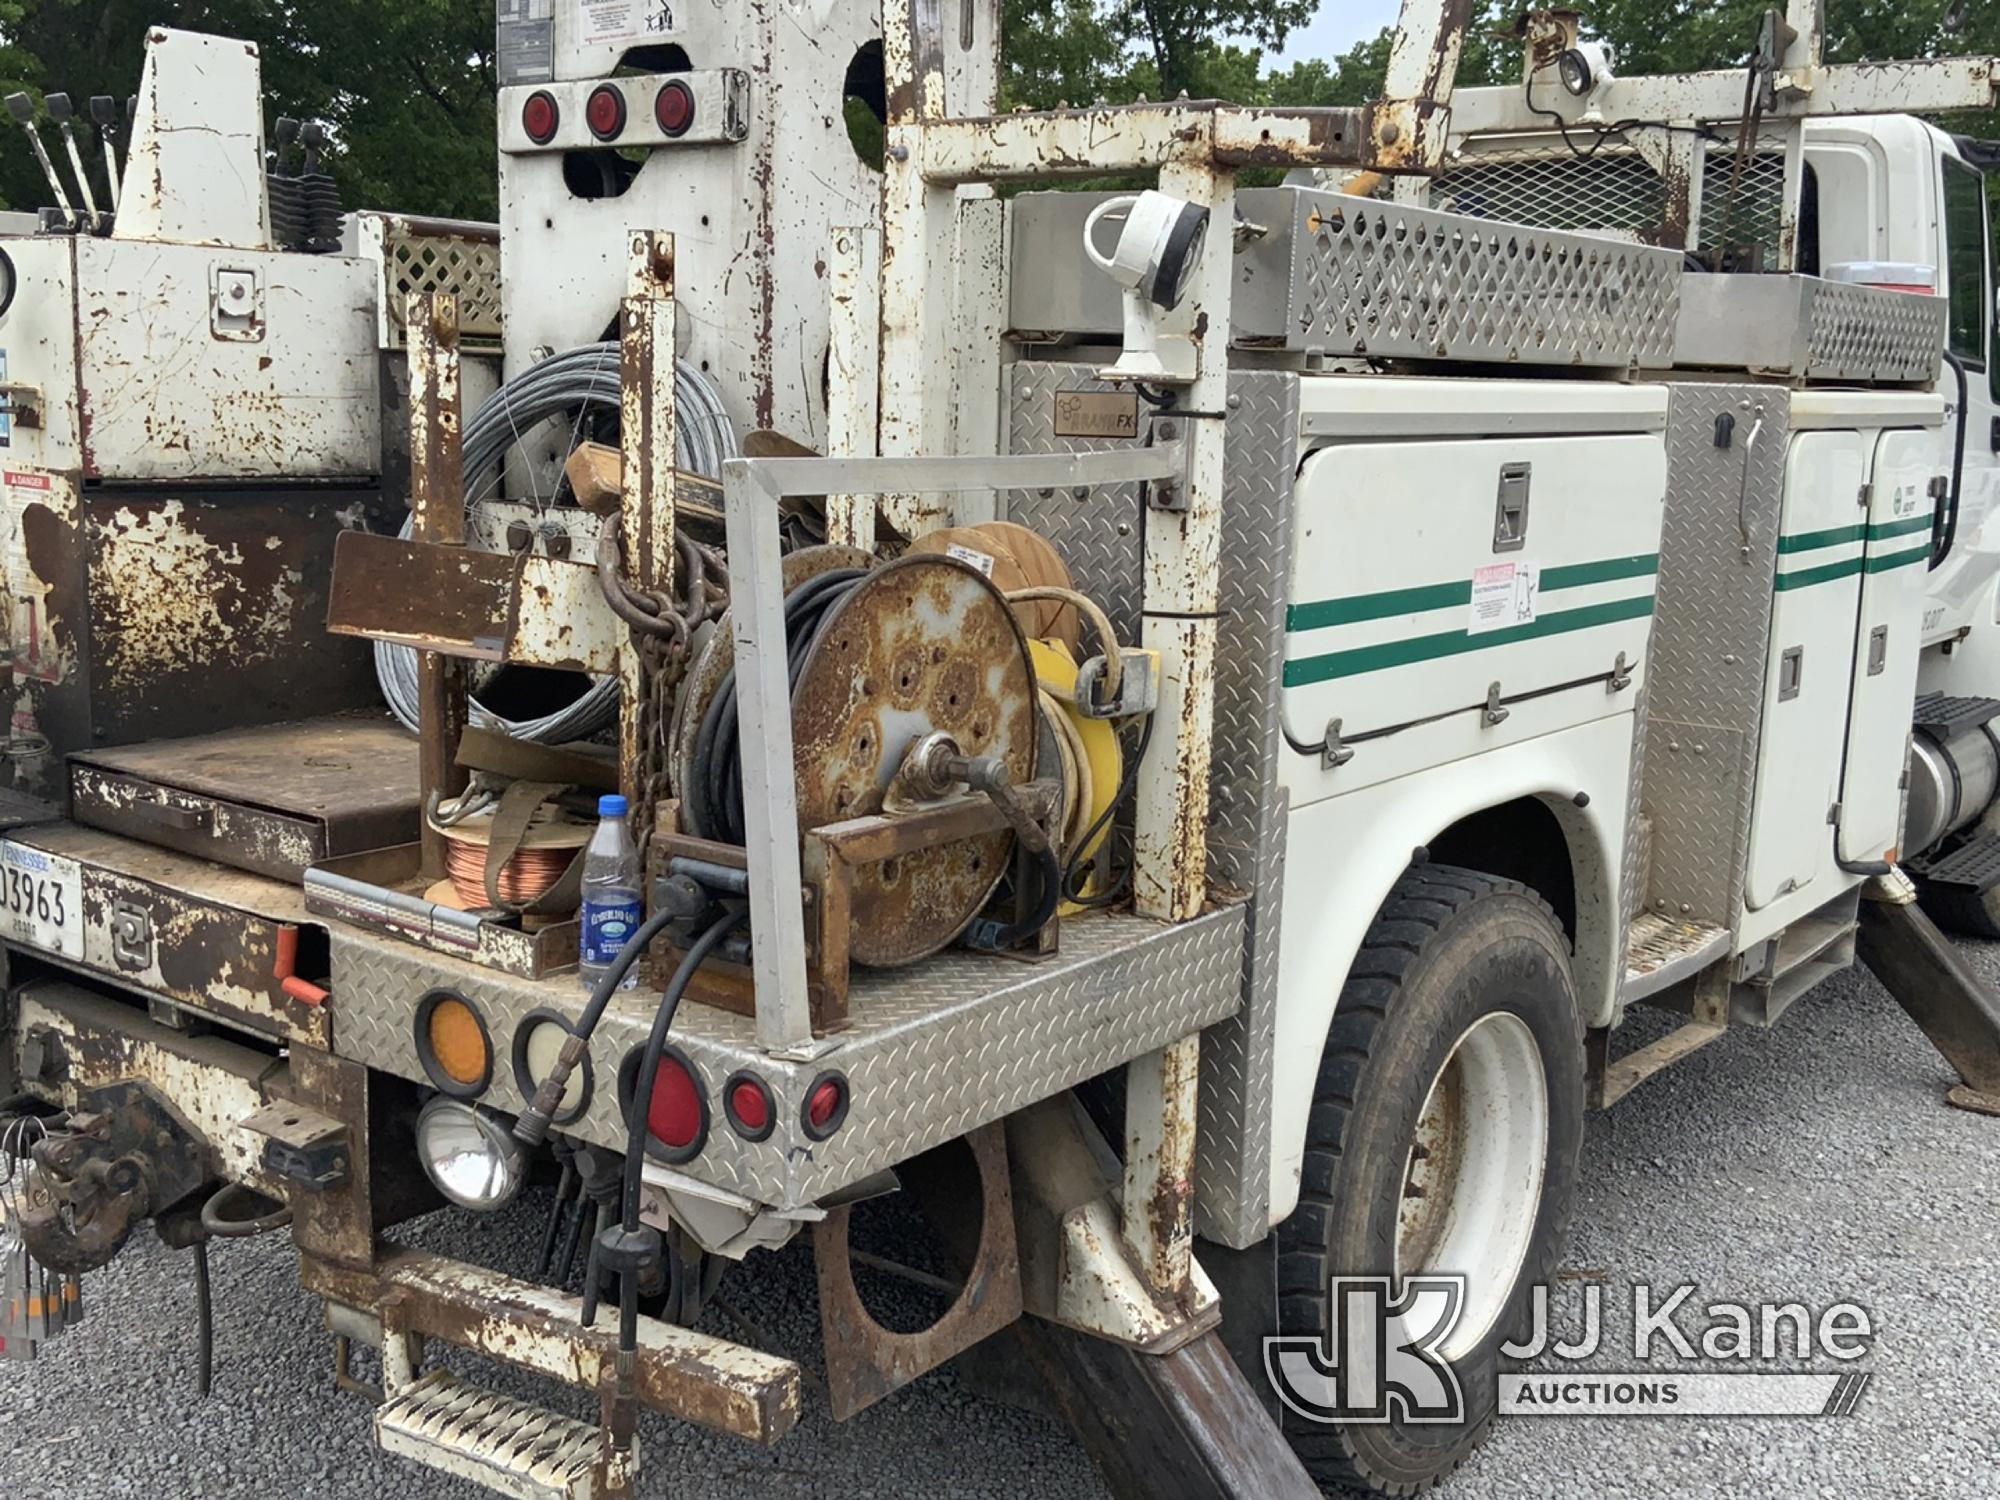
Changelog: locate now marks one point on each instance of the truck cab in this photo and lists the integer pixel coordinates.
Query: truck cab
(1885, 192)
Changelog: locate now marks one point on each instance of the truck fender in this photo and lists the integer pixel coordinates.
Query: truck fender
(1345, 852)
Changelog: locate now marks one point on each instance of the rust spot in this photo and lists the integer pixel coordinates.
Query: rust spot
(944, 648)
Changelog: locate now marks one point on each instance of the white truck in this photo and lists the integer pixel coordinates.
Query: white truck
(1211, 703)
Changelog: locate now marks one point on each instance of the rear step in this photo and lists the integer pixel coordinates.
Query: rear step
(1615, 1078)
(511, 1447)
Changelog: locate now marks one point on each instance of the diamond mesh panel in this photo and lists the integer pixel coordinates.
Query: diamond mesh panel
(1612, 193)
(463, 265)
(1745, 223)
(1615, 192)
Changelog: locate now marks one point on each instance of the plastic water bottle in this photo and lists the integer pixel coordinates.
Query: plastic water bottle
(610, 911)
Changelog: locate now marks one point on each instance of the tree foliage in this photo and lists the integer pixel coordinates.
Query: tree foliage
(408, 86)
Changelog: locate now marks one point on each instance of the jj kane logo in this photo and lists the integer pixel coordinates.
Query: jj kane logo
(1384, 1361)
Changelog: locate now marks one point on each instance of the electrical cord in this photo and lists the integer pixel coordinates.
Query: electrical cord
(1079, 867)
(584, 382)
(1602, 133)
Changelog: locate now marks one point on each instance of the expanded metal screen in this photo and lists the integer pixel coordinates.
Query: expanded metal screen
(1613, 191)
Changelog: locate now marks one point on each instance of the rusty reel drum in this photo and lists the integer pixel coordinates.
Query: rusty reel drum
(909, 649)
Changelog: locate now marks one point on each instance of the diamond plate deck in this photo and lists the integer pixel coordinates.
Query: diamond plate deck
(933, 1050)
(1711, 634)
(1247, 810)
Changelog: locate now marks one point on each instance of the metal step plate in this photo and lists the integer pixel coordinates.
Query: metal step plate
(1660, 952)
(1941, 718)
(508, 1446)
(1973, 866)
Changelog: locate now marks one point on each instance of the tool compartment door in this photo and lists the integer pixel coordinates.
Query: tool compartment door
(1814, 599)
(1893, 573)
(1426, 572)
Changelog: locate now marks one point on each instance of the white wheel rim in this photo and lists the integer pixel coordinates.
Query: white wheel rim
(1472, 1183)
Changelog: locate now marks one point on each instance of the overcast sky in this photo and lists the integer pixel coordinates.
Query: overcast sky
(1338, 26)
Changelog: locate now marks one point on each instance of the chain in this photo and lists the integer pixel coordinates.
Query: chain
(660, 662)
(661, 625)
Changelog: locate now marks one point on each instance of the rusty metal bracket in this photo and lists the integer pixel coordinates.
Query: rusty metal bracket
(864, 1360)
(302, 1145)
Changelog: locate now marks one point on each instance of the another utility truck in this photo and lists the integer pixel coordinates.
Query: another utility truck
(1168, 727)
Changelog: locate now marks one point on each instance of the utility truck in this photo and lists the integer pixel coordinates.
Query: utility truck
(1168, 726)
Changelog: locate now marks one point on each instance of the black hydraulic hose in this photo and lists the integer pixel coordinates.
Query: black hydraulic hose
(636, 1115)
(656, 1045)
(218, 1226)
(713, 799)
(533, 1123)
(1051, 875)
(1945, 532)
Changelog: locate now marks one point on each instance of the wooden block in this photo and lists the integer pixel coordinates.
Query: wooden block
(596, 474)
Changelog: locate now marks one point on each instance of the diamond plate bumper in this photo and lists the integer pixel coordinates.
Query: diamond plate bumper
(933, 1051)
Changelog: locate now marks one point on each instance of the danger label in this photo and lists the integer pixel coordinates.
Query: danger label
(18, 480)
(1503, 595)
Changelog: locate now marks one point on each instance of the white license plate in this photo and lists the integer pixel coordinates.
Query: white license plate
(41, 899)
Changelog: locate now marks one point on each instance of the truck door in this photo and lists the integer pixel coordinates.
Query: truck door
(1897, 547)
(1814, 598)
(1962, 585)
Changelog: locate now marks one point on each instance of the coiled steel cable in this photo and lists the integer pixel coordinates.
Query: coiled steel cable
(582, 381)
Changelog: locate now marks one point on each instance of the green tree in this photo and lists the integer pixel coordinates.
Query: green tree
(406, 86)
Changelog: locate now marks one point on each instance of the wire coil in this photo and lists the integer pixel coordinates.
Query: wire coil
(585, 380)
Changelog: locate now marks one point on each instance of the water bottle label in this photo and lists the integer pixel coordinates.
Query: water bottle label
(606, 926)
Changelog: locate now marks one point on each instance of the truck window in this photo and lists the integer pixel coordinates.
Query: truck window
(1965, 260)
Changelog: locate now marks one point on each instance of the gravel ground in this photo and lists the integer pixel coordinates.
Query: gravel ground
(1815, 1164)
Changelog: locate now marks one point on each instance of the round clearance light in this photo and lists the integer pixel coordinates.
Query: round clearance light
(746, 1100)
(825, 1106)
(471, 1156)
(453, 1044)
(604, 112)
(540, 117)
(673, 108)
(540, 1038)
(677, 1113)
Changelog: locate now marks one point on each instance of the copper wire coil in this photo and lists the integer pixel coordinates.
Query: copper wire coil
(523, 878)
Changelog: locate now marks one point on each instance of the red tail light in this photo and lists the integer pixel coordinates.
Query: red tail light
(674, 1117)
(747, 1102)
(539, 117)
(604, 112)
(673, 108)
(825, 1106)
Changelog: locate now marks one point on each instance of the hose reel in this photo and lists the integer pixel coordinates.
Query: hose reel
(921, 647)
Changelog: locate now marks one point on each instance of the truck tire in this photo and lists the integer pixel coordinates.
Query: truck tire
(1445, 1128)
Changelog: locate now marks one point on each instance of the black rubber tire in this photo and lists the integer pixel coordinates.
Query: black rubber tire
(1447, 947)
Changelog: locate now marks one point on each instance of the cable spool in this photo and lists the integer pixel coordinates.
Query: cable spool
(543, 858)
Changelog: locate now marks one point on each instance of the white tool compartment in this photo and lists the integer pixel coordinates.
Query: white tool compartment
(1503, 561)
(201, 363)
(1893, 573)
(1815, 595)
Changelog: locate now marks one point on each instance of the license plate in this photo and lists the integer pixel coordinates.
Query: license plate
(41, 899)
